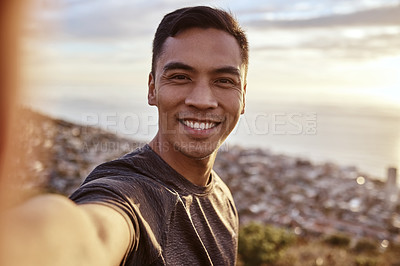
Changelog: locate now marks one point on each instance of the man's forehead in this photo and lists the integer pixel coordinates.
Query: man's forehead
(198, 36)
(197, 45)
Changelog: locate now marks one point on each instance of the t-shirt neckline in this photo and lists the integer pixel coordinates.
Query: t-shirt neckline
(171, 176)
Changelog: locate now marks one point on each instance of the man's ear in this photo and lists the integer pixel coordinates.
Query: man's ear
(244, 98)
(152, 95)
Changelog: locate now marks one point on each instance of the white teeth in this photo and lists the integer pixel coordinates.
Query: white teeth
(198, 125)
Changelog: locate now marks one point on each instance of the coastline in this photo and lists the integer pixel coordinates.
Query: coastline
(292, 192)
(345, 133)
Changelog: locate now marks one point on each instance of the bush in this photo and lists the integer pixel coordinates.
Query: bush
(365, 261)
(338, 240)
(260, 244)
(366, 245)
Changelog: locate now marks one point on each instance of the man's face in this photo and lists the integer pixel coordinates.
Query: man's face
(199, 90)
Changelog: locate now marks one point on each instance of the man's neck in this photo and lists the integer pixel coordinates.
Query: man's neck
(195, 170)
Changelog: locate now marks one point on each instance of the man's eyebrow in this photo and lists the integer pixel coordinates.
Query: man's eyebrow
(177, 65)
(228, 70)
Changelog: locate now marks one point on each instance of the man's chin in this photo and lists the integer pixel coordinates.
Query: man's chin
(197, 151)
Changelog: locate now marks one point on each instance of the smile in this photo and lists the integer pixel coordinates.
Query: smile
(199, 125)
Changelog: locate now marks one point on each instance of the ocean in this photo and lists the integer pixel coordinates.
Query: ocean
(360, 135)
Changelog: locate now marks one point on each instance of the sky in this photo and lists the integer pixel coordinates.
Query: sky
(340, 51)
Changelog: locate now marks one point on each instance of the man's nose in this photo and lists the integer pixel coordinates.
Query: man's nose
(201, 96)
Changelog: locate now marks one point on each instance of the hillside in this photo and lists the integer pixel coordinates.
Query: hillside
(311, 199)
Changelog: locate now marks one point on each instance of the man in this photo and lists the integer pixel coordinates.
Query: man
(161, 204)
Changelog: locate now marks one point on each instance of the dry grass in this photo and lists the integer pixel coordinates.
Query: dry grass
(315, 252)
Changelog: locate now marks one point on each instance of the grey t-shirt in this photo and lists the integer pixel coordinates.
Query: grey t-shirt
(173, 221)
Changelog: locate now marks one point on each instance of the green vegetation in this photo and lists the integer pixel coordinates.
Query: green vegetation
(261, 244)
(366, 261)
(268, 245)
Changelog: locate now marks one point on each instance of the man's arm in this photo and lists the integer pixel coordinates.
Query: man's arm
(53, 230)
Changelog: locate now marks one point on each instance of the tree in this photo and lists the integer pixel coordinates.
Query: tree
(259, 244)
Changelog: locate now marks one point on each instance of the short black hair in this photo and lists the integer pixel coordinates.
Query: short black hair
(198, 17)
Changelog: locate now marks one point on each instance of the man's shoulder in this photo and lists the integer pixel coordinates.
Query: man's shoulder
(128, 176)
(132, 173)
(132, 164)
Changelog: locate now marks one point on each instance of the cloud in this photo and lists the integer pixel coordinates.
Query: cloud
(376, 16)
(358, 36)
(98, 19)
(104, 19)
(347, 42)
(364, 48)
(126, 28)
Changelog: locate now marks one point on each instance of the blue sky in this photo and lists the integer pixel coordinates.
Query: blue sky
(301, 50)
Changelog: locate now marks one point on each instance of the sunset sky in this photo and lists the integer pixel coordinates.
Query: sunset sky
(345, 51)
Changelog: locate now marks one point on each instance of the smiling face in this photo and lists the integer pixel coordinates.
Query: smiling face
(199, 91)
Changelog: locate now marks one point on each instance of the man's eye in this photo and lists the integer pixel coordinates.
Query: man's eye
(225, 81)
(180, 77)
